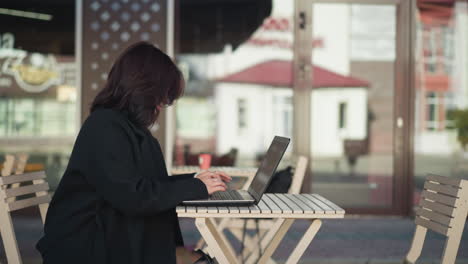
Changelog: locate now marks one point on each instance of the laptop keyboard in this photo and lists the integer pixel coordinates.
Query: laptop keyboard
(227, 195)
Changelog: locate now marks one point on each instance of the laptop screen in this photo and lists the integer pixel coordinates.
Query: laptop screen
(268, 167)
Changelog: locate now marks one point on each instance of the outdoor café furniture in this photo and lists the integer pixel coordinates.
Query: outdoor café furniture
(284, 207)
(237, 226)
(14, 164)
(443, 208)
(13, 198)
(247, 173)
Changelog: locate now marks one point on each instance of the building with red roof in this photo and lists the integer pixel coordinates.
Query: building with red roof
(258, 100)
(278, 73)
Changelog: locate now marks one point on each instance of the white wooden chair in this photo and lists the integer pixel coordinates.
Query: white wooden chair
(12, 199)
(236, 226)
(443, 209)
(14, 165)
(8, 165)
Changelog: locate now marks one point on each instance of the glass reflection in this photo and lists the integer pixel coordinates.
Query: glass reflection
(441, 106)
(352, 103)
(238, 99)
(38, 95)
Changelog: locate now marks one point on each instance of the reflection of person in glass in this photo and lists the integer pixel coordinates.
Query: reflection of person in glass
(115, 202)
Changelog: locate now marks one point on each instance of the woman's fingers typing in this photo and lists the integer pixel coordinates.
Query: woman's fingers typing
(223, 176)
(215, 174)
(214, 180)
(216, 185)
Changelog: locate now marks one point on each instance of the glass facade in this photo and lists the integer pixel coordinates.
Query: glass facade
(38, 94)
(238, 97)
(245, 95)
(30, 117)
(441, 91)
(239, 86)
(352, 116)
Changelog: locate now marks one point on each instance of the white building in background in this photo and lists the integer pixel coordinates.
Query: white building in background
(250, 112)
(257, 101)
(441, 78)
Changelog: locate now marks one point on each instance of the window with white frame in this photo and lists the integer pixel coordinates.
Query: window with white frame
(36, 117)
(450, 106)
(283, 120)
(432, 103)
(448, 48)
(429, 49)
(439, 105)
(342, 112)
(241, 114)
(438, 48)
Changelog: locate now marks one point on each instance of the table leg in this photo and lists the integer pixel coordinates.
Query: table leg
(217, 244)
(223, 236)
(270, 249)
(251, 243)
(265, 240)
(304, 242)
(200, 244)
(221, 226)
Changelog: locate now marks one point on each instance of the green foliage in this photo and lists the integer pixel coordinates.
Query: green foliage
(461, 124)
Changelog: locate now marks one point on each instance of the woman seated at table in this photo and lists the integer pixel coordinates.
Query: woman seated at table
(115, 202)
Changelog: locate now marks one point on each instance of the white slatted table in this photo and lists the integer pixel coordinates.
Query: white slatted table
(284, 207)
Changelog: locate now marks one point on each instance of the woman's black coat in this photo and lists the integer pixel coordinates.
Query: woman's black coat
(115, 202)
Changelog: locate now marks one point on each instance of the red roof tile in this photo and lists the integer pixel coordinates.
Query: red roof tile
(279, 73)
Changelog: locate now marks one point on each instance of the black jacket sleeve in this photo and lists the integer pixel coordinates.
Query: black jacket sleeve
(178, 177)
(114, 175)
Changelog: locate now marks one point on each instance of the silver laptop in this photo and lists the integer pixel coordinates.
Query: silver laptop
(259, 183)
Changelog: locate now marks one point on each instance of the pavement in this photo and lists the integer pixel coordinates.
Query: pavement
(353, 240)
(356, 241)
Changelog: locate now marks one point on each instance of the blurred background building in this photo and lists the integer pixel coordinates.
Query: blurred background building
(383, 103)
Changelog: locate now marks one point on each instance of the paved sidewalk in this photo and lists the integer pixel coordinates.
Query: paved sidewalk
(359, 240)
(380, 240)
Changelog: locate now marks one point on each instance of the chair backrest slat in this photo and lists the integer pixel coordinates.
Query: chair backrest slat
(20, 204)
(439, 198)
(434, 216)
(437, 207)
(441, 188)
(436, 227)
(29, 189)
(444, 180)
(22, 177)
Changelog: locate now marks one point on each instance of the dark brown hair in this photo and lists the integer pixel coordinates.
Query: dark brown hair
(142, 78)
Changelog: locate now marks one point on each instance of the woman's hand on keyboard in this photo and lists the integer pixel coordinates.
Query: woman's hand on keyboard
(213, 181)
(222, 175)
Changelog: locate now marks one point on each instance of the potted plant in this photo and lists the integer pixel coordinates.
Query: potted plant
(460, 118)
